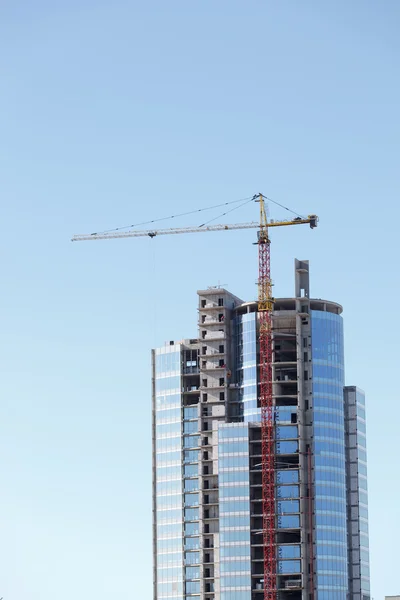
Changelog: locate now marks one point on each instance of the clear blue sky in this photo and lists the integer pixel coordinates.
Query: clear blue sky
(119, 112)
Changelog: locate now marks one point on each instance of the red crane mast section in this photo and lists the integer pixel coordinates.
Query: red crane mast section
(265, 308)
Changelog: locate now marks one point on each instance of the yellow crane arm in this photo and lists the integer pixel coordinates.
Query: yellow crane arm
(312, 220)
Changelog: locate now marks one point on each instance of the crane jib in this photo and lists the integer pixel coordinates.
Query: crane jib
(312, 220)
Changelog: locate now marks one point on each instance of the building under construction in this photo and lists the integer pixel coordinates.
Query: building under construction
(249, 502)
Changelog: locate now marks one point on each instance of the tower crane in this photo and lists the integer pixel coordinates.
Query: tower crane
(265, 309)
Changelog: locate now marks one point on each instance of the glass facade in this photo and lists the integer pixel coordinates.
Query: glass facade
(168, 475)
(362, 492)
(357, 500)
(329, 456)
(234, 511)
(246, 365)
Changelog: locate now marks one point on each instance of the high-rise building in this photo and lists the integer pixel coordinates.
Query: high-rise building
(207, 479)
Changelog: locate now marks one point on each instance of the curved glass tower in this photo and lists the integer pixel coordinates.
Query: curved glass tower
(329, 456)
(207, 479)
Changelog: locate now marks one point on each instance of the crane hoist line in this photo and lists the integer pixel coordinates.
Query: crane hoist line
(265, 309)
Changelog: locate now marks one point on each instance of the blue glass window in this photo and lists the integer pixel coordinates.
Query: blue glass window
(192, 573)
(168, 428)
(235, 565)
(192, 558)
(287, 447)
(192, 528)
(235, 506)
(235, 536)
(191, 485)
(192, 543)
(289, 521)
(190, 456)
(289, 566)
(287, 491)
(233, 476)
(190, 470)
(238, 490)
(288, 506)
(287, 476)
(192, 441)
(168, 383)
(191, 499)
(191, 514)
(193, 587)
(234, 521)
(232, 432)
(232, 551)
(190, 412)
(289, 551)
(232, 447)
(190, 426)
(286, 432)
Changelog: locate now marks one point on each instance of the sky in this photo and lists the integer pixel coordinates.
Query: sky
(115, 113)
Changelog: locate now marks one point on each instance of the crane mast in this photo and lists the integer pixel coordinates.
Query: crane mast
(265, 308)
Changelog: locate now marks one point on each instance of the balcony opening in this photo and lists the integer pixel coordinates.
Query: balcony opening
(220, 301)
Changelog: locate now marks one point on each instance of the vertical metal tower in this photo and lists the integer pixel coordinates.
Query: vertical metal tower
(265, 307)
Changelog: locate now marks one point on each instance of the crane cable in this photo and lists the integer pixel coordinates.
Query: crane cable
(198, 210)
(227, 212)
(247, 200)
(184, 214)
(281, 205)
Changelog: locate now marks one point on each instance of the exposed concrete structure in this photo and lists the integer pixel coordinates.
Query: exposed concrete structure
(207, 497)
